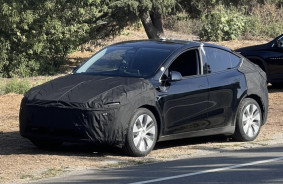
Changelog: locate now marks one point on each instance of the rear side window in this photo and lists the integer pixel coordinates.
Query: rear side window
(216, 60)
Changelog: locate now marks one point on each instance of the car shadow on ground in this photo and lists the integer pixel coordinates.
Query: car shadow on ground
(12, 143)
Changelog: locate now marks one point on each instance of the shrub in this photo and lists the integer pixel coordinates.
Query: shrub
(222, 24)
(264, 21)
(36, 36)
(261, 20)
(17, 86)
(182, 23)
(2, 88)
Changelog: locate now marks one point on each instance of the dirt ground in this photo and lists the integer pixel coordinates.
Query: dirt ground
(20, 161)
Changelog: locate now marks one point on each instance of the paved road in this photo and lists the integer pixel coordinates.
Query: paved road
(253, 166)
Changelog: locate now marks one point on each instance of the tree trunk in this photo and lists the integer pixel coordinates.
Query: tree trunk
(152, 24)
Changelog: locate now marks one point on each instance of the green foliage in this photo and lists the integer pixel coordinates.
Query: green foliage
(36, 35)
(265, 21)
(222, 24)
(2, 88)
(182, 23)
(17, 86)
(232, 19)
(128, 12)
(196, 8)
(256, 28)
(21, 85)
(135, 7)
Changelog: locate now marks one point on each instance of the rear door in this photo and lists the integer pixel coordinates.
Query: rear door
(274, 58)
(224, 85)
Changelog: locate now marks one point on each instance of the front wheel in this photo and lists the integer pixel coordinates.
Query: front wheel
(249, 120)
(142, 133)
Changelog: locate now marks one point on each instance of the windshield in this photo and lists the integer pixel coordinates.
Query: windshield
(125, 61)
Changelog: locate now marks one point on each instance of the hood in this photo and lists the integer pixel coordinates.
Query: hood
(87, 91)
(259, 47)
(254, 48)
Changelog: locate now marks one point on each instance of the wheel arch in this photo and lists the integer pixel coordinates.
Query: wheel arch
(261, 105)
(240, 133)
(260, 62)
(157, 116)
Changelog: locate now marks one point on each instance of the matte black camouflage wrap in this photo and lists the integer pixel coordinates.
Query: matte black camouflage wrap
(84, 108)
(256, 84)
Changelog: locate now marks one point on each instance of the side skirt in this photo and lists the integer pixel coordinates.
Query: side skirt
(229, 130)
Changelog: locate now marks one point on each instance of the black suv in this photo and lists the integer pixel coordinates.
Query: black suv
(133, 94)
(269, 57)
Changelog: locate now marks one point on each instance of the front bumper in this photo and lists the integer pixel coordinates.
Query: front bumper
(74, 125)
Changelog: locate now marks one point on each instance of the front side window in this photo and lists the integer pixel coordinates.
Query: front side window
(186, 63)
(125, 61)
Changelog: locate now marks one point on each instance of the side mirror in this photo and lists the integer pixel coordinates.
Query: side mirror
(175, 76)
(75, 69)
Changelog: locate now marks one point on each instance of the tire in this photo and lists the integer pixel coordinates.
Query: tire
(45, 143)
(249, 120)
(142, 133)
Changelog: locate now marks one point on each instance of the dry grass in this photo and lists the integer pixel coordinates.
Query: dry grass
(264, 21)
(268, 13)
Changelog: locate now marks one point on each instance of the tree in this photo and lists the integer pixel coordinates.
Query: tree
(36, 35)
(149, 12)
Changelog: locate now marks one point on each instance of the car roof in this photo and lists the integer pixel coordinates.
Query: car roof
(167, 44)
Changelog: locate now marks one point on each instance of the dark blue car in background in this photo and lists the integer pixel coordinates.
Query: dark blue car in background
(269, 57)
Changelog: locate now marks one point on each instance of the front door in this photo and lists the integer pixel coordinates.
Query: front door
(275, 61)
(184, 102)
(185, 105)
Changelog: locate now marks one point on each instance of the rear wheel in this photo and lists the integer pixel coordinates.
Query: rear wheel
(249, 120)
(142, 133)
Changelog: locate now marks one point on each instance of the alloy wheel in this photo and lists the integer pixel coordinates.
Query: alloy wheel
(144, 132)
(251, 120)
